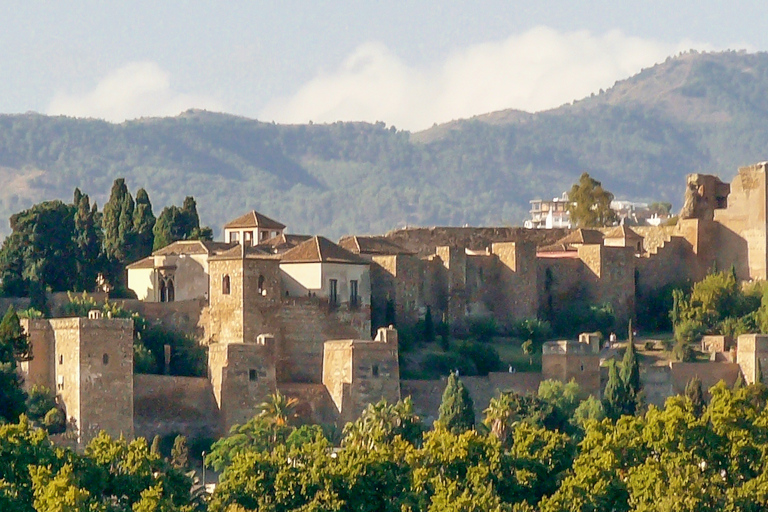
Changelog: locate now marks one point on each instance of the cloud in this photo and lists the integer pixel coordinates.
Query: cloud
(536, 70)
(135, 90)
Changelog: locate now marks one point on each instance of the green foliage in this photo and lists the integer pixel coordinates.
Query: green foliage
(55, 421)
(695, 394)
(630, 370)
(483, 329)
(617, 397)
(683, 352)
(580, 316)
(39, 402)
(14, 347)
(303, 435)
(256, 435)
(381, 423)
(456, 409)
(180, 453)
(689, 331)
(177, 223)
(589, 409)
(532, 329)
(429, 326)
(590, 203)
(485, 358)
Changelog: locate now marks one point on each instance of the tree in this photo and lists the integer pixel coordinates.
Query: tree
(429, 326)
(87, 236)
(456, 411)
(144, 224)
(590, 203)
(499, 417)
(528, 350)
(40, 254)
(630, 370)
(695, 394)
(117, 223)
(381, 423)
(617, 400)
(14, 347)
(278, 409)
(180, 453)
(177, 223)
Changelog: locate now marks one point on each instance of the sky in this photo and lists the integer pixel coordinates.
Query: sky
(407, 63)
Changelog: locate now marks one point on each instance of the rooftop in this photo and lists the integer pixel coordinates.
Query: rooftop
(254, 219)
(319, 249)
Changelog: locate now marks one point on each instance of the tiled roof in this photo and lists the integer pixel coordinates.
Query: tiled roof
(148, 262)
(372, 245)
(239, 251)
(319, 249)
(282, 243)
(624, 232)
(254, 219)
(193, 247)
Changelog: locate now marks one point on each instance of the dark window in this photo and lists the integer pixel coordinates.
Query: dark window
(225, 285)
(234, 236)
(105, 359)
(261, 285)
(375, 370)
(353, 294)
(61, 359)
(252, 375)
(333, 292)
(167, 292)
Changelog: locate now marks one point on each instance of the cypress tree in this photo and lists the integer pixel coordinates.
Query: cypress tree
(87, 242)
(112, 221)
(143, 223)
(695, 394)
(630, 370)
(180, 453)
(155, 447)
(429, 326)
(616, 398)
(457, 412)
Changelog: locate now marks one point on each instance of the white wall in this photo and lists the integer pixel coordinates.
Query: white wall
(141, 281)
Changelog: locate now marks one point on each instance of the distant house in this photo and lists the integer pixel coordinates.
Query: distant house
(549, 214)
(319, 267)
(252, 229)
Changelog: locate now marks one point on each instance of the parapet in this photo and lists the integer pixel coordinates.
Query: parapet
(387, 335)
(588, 344)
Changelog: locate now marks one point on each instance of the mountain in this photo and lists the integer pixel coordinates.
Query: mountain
(697, 112)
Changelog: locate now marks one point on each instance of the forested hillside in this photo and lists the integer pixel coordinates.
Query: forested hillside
(693, 113)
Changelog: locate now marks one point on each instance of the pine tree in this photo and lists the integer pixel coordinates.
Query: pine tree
(695, 394)
(456, 412)
(180, 453)
(143, 223)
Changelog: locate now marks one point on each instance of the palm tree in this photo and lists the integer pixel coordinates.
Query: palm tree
(499, 415)
(278, 410)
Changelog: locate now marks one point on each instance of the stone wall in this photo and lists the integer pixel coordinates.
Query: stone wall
(314, 403)
(167, 406)
(423, 241)
(40, 370)
(183, 316)
(566, 360)
(242, 377)
(518, 280)
(427, 394)
(752, 356)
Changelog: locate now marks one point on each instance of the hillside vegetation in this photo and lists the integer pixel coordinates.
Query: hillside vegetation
(693, 113)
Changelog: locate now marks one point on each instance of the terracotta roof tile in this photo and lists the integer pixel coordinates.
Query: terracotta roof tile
(624, 232)
(148, 262)
(319, 249)
(372, 245)
(254, 219)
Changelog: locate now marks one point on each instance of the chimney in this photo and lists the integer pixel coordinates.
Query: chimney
(387, 335)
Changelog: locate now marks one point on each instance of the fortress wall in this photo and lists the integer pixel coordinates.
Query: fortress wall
(427, 394)
(423, 241)
(560, 280)
(183, 316)
(672, 263)
(40, 370)
(314, 402)
(709, 373)
(303, 326)
(164, 405)
(518, 280)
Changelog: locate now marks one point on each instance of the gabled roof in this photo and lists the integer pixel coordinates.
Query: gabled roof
(254, 219)
(623, 232)
(372, 245)
(193, 247)
(240, 251)
(319, 249)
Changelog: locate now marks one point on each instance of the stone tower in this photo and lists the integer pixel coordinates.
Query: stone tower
(580, 360)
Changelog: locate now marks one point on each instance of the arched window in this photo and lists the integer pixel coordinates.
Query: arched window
(105, 359)
(225, 286)
(261, 285)
(170, 293)
(163, 290)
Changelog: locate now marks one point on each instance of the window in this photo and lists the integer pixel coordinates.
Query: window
(333, 292)
(61, 359)
(105, 359)
(248, 238)
(252, 375)
(375, 370)
(225, 285)
(262, 291)
(353, 296)
(234, 236)
(167, 291)
(264, 235)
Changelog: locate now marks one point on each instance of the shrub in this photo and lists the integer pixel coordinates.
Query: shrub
(532, 329)
(683, 352)
(435, 365)
(55, 422)
(485, 358)
(483, 329)
(582, 317)
(689, 331)
(39, 402)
